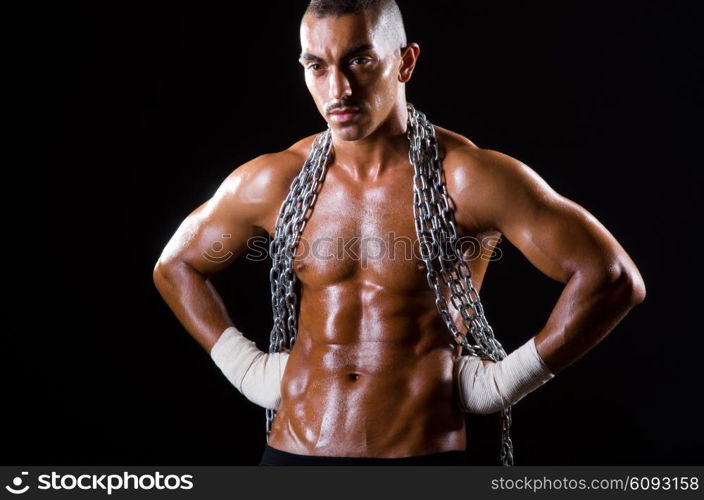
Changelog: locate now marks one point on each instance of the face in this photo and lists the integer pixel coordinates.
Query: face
(353, 70)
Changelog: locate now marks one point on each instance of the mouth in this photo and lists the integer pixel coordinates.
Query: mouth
(343, 115)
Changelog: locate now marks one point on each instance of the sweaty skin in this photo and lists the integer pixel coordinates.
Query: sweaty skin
(370, 373)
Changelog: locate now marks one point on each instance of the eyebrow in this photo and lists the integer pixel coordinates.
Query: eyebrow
(356, 50)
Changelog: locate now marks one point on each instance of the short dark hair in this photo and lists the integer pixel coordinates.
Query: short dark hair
(337, 8)
(324, 8)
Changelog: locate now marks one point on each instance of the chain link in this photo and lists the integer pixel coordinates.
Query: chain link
(441, 252)
(437, 238)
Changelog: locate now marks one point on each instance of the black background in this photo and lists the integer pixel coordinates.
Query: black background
(156, 104)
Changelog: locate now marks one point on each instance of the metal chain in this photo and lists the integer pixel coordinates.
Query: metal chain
(291, 220)
(437, 236)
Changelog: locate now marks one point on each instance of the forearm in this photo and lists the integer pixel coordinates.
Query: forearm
(586, 312)
(194, 301)
(199, 307)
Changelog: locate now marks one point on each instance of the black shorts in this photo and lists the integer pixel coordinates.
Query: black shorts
(273, 456)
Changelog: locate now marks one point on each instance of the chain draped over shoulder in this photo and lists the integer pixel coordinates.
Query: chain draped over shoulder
(437, 236)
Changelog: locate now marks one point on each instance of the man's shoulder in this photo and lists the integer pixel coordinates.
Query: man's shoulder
(458, 153)
(481, 181)
(450, 141)
(463, 159)
(281, 163)
(272, 172)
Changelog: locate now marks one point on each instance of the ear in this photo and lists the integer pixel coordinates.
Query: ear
(409, 56)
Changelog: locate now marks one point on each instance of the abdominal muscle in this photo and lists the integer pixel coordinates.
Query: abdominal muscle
(381, 391)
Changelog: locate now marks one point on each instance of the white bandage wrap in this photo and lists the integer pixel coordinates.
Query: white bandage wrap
(256, 374)
(492, 388)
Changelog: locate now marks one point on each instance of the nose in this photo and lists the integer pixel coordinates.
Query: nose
(339, 84)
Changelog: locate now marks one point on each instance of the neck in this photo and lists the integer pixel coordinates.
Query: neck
(371, 156)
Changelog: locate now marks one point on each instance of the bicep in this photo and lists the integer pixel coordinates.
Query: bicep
(555, 234)
(216, 233)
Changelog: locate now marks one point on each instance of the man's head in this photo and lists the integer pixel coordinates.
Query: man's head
(355, 56)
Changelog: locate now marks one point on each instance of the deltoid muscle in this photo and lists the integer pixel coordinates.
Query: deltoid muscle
(437, 238)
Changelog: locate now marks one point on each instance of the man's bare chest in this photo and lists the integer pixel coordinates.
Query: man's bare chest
(362, 230)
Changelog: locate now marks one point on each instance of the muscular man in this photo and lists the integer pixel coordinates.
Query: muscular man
(370, 377)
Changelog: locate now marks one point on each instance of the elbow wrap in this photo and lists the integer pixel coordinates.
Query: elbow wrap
(256, 374)
(498, 385)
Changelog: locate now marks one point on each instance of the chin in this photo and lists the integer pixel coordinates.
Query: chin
(350, 132)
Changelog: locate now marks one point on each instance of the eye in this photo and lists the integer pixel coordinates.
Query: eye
(359, 60)
(313, 67)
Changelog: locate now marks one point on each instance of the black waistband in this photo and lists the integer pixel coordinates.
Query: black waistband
(274, 456)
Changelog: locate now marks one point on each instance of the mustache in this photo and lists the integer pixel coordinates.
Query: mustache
(340, 105)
